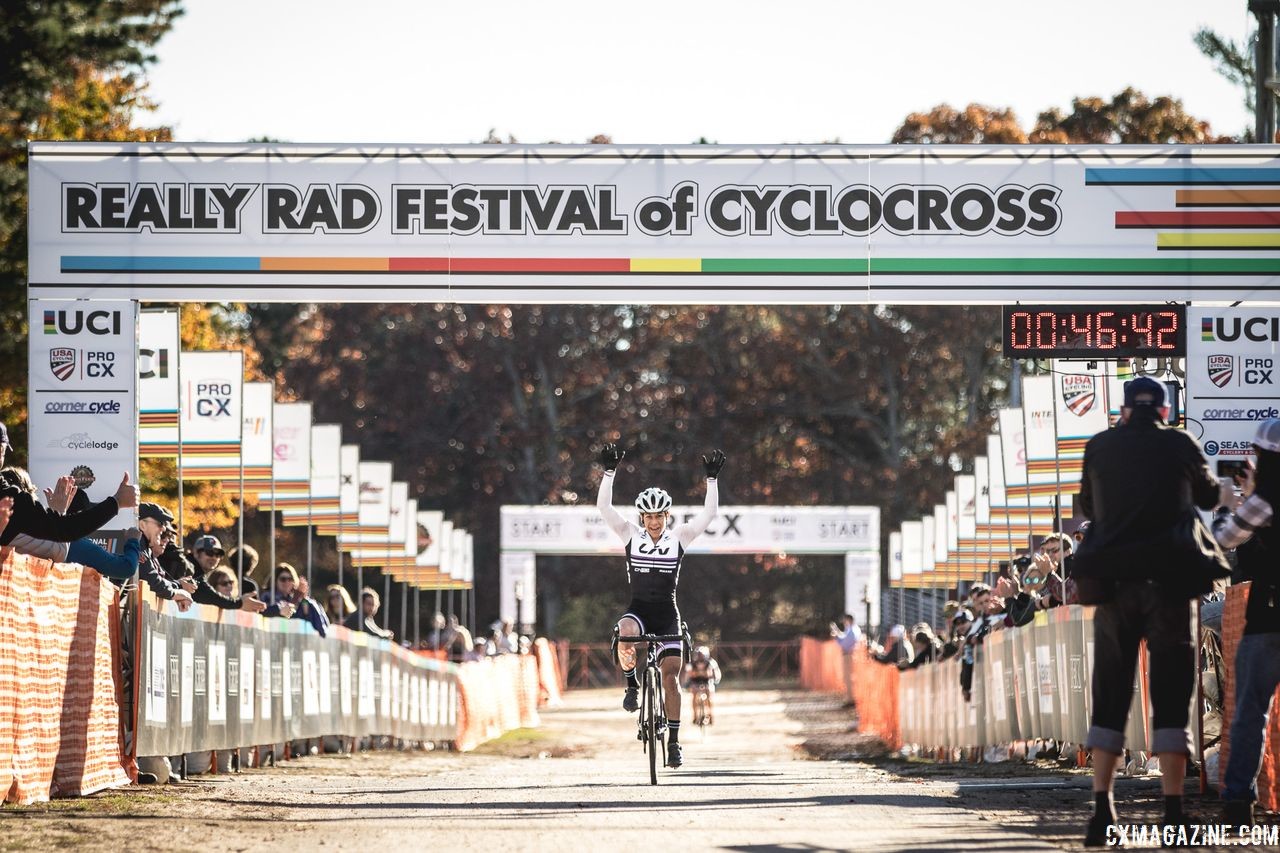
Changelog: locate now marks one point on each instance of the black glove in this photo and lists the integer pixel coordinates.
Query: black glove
(713, 463)
(610, 456)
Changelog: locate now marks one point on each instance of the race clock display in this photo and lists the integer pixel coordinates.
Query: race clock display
(1113, 331)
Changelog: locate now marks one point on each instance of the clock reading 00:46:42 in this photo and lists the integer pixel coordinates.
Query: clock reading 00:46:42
(1113, 331)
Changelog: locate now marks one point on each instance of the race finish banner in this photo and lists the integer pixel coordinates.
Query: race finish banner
(158, 349)
(692, 224)
(83, 418)
(1231, 378)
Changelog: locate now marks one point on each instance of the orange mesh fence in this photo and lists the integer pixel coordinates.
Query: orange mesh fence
(1269, 770)
(875, 689)
(60, 681)
(548, 673)
(821, 663)
(496, 695)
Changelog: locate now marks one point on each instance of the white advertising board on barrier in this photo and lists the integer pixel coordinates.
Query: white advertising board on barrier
(735, 530)
(83, 410)
(1232, 380)
(692, 224)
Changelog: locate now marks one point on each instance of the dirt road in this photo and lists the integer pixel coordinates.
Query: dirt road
(580, 784)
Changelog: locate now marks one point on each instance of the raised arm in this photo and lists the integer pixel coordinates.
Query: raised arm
(610, 456)
(698, 525)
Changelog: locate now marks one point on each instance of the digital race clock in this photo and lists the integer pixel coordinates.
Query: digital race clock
(1114, 331)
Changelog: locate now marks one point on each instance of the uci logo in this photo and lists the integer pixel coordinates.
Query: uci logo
(153, 364)
(66, 322)
(213, 399)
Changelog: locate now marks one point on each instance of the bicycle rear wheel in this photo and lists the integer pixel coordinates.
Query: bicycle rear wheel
(651, 713)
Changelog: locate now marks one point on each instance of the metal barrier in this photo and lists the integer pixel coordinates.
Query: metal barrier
(215, 679)
(591, 665)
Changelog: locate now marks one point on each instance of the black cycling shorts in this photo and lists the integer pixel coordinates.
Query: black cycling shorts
(660, 618)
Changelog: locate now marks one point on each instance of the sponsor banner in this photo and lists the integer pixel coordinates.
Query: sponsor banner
(430, 523)
(735, 530)
(291, 454)
(469, 559)
(912, 552)
(1232, 354)
(1040, 435)
(1081, 411)
(221, 680)
(321, 503)
(693, 224)
(83, 411)
(211, 394)
(349, 483)
(941, 536)
(448, 566)
(862, 585)
(895, 557)
(928, 545)
(256, 446)
(158, 354)
(516, 573)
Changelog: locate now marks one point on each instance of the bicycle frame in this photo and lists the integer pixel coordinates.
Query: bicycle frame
(652, 722)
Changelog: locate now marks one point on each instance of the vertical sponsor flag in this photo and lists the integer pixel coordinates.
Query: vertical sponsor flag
(928, 568)
(83, 404)
(469, 559)
(1026, 513)
(895, 558)
(940, 540)
(373, 530)
(211, 414)
(291, 454)
(257, 442)
(320, 505)
(447, 567)
(966, 525)
(912, 556)
(349, 484)
(1232, 379)
(158, 351)
(1041, 438)
(953, 536)
(1081, 412)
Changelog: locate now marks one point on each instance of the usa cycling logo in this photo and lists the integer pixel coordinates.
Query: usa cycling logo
(1221, 369)
(1078, 393)
(62, 361)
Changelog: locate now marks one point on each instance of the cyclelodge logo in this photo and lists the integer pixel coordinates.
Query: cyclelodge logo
(82, 441)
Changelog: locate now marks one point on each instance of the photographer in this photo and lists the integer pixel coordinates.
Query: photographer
(1257, 664)
(1145, 558)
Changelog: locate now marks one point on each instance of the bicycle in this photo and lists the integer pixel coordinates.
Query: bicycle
(652, 723)
(700, 691)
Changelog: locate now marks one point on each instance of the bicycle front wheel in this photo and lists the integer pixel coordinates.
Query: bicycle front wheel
(652, 713)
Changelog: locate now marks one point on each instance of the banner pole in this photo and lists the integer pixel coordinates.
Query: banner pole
(240, 519)
(181, 532)
(386, 597)
(359, 586)
(448, 606)
(404, 611)
(474, 620)
(1057, 454)
(340, 527)
(308, 536)
(417, 616)
(434, 623)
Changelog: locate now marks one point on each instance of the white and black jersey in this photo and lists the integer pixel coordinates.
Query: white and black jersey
(653, 568)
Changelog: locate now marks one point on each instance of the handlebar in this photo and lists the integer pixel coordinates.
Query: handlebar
(653, 638)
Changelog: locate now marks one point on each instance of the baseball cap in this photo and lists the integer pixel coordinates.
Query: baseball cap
(4, 437)
(1268, 435)
(210, 544)
(155, 512)
(1145, 391)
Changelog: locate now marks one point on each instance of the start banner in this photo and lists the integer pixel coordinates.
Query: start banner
(694, 224)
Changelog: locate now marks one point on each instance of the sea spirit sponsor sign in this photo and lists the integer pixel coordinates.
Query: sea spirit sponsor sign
(83, 418)
(735, 530)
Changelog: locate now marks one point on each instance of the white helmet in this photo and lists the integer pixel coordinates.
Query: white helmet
(653, 499)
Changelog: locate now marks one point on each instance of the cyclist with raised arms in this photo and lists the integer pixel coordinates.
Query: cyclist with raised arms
(654, 552)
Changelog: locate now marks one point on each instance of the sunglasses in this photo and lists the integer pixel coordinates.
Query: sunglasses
(225, 583)
(1052, 550)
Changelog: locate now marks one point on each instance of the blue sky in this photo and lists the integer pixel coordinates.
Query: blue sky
(665, 72)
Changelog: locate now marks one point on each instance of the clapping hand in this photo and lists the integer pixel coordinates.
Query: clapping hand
(59, 497)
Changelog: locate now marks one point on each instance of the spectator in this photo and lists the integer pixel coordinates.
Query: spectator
(477, 652)
(847, 636)
(364, 621)
(338, 605)
(1142, 563)
(288, 598)
(118, 567)
(243, 561)
(457, 639)
(894, 650)
(927, 647)
(197, 568)
(959, 630)
(437, 628)
(29, 517)
(1257, 664)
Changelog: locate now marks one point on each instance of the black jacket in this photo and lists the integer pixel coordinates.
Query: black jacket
(179, 565)
(1141, 484)
(34, 520)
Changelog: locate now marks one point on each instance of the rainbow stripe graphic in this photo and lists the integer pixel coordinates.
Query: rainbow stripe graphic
(50, 327)
(1216, 209)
